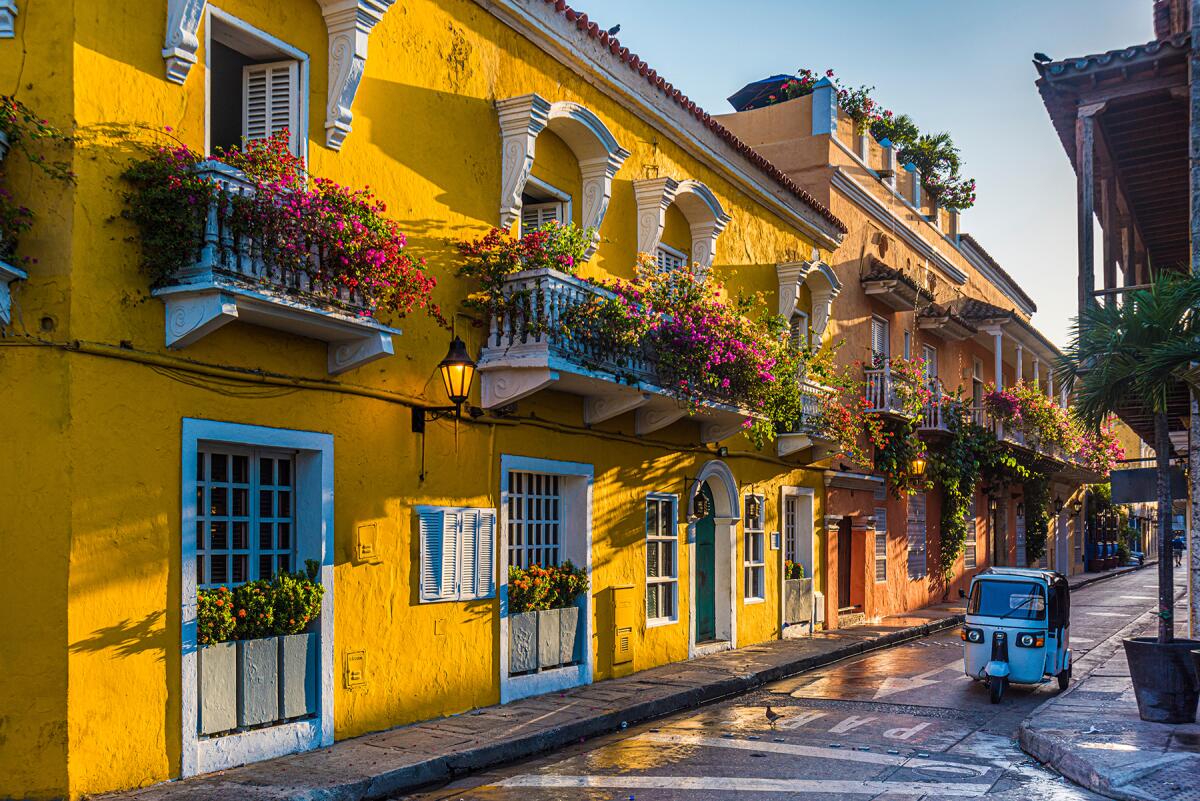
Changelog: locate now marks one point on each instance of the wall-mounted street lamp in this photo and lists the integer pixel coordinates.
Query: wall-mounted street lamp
(1058, 504)
(1020, 508)
(917, 465)
(458, 374)
(753, 508)
(1076, 506)
(700, 505)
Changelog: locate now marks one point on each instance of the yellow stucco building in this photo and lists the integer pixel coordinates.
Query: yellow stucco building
(139, 419)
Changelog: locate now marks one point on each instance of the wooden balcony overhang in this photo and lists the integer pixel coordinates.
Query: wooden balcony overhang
(945, 322)
(893, 287)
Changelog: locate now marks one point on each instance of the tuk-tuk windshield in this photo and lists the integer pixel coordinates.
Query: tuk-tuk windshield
(1020, 600)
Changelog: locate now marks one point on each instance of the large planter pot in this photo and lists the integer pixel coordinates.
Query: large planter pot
(523, 642)
(298, 661)
(258, 681)
(797, 600)
(218, 686)
(549, 636)
(568, 634)
(1164, 679)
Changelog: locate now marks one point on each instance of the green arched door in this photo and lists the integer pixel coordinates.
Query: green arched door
(706, 573)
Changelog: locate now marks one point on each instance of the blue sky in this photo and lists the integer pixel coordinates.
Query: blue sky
(956, 65)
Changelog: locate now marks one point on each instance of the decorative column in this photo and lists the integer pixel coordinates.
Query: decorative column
(596, 188)
(653, 197)
(889, 162)
(1050, 385)
(1020, 367)
(1037, 372)
(180, 42)
(1085, 146)
(998, 343)
(349, 23)
(521, 120)
(824, 108)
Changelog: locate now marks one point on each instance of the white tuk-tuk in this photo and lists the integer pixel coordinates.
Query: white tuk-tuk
(1017, 628)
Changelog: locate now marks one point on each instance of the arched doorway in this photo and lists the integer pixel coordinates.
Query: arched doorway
(712, 551)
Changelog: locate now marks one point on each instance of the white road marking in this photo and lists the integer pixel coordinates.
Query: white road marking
(825, 787)
(1081, 639)
(1138, 597)
(814, 751)
(892, 685)
(1106, 614)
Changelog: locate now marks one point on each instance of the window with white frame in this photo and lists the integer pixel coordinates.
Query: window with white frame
(534, 519)
(542, 204)
(245, 515)
(929, 354)
(662, 566)
(754, 558)
(798, 331)
(255, 87)
(880, 339)
(668, 258)
(457, 553)
(908, 344)
(916, 536)
(969, 554)
(881, 543)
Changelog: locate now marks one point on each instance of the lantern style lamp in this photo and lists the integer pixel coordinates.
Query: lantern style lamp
(918, 465)
(1058, 505)
(458, 374)
(700, 506)
(753, 508)
(1076, 506)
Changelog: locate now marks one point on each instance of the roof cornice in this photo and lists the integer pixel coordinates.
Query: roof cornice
(630, 81)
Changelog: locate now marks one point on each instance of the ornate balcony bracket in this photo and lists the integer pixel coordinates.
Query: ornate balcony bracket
(8, 19)
(195, 310)
(788, 444)
(181, 41)
(502, 387)
(598, 408)
(8, 274)
(349, 23)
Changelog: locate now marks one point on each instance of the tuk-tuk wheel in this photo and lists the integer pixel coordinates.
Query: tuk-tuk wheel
(995, 688)
(1064, 678)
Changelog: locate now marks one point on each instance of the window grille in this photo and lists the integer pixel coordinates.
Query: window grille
(916, 536)
(970, 556)
(534, 519)
(662, 569)
(245, 515)
(791, 528)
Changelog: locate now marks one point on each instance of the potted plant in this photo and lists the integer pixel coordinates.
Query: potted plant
(797, 593)
(543, 616)
(1137, 351)
(258, 657)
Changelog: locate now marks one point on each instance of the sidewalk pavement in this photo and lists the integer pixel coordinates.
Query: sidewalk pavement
(398, 760)
(1092, 733)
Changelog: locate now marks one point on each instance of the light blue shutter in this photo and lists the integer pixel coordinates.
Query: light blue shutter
(430, 522)
(485, 554)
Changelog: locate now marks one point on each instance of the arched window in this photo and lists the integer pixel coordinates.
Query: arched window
(695, 201)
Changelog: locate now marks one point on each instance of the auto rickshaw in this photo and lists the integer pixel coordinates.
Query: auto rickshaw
(1017, 628)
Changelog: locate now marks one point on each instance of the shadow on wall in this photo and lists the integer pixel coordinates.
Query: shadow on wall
(128, 637)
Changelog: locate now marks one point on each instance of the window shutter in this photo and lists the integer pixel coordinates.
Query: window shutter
(270, 101)
(431, 525)
(881, 543)
(879, 337)
(451, 536)
(798, 330)
(930, 355)
(468, 554)
(485, 554)
(535, 215)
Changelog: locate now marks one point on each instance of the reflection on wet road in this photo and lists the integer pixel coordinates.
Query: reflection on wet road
(899, 723)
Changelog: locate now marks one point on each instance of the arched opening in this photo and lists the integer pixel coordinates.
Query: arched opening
(824, 286)
(712, 541)
(696, 203)
(599, 156)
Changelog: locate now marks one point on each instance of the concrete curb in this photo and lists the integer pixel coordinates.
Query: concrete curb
(491, 756)
(1057, 752)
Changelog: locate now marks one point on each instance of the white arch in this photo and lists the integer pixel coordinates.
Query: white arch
(596, 149)
(824, 286)
(699, 206)
(726, 515)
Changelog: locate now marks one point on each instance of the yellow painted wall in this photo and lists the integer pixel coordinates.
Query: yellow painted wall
(89, 629)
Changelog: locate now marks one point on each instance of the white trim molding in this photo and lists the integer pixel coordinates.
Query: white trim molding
(823, 286)
(314, 510)
(349, 23)
(181, 42)
(8, 19)
(599, 155)
(726, 516)
(8, 274)
(706, 218)
(577, 505)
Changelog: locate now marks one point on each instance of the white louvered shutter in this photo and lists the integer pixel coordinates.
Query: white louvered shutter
(431, 524)
(468, 553)
(535, 215)
(916, 536)
(451, 538)
(879, 337)
(270, 101)
(881, 528)
(485, 554)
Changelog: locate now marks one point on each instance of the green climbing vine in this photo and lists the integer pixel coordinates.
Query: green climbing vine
(1037, 514)
(894, 459)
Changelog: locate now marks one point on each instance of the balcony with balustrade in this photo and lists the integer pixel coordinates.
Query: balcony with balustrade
(240, 277)
(529, 350)
(809, 431)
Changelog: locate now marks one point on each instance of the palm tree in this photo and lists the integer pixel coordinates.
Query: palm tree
(934, 155)
(1136, 352)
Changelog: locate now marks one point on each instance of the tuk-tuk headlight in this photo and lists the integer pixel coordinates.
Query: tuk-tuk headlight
(972, 635)
(1031, 639)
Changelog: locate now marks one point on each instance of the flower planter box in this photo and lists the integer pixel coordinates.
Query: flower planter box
(797, 600)
(543, 640)
(523, 642)
(258, 681)
(217, 676)
(298, 661)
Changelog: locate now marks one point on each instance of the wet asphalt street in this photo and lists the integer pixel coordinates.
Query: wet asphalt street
(900, 723)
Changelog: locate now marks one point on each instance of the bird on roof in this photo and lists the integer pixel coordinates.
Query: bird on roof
(772, 715)
(1042, 58)
(614, 30)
